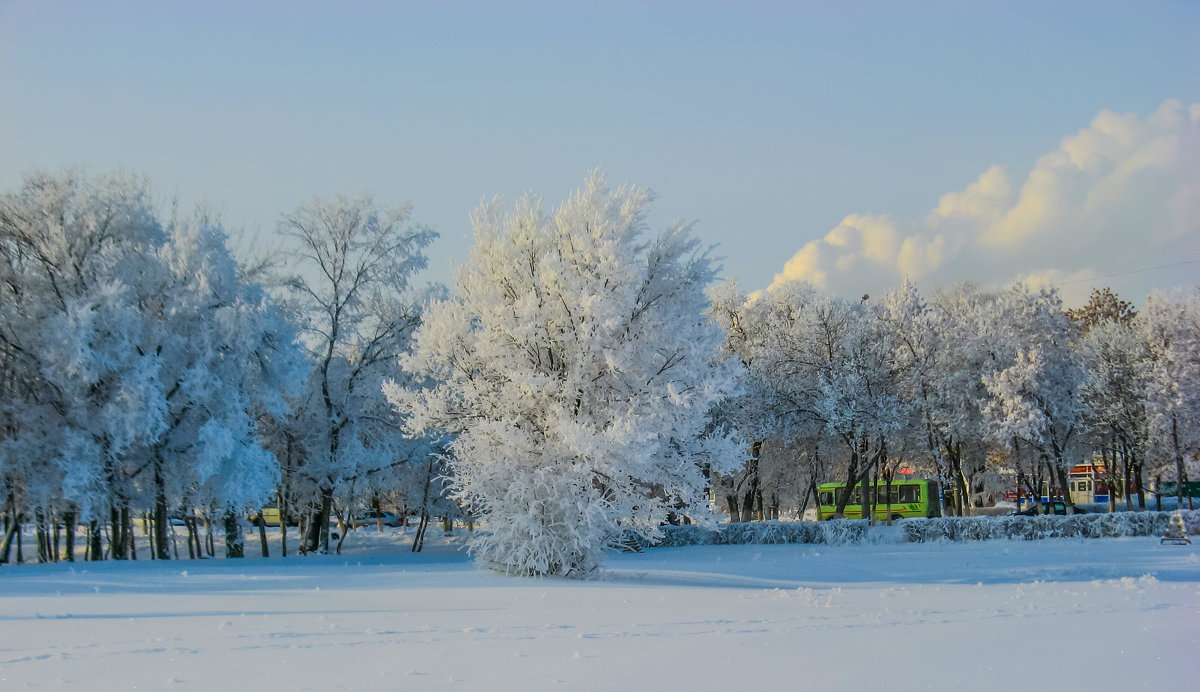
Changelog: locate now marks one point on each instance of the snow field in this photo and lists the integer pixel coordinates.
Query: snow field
(1000, 615)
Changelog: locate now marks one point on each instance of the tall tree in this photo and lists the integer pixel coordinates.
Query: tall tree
(1103, 307)
(136, 360)
(1115, 359)
(1170, 325)
(79, 394)
(818, 367)
(352, 287)
(1035, 388)
(227, 356)
(575, 370)
(964, 339)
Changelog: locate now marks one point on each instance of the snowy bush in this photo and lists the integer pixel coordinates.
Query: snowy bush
(1045, 526)
(839, 532)
(847, 532)
(691, 534)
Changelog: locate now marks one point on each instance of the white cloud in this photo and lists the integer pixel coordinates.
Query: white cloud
(1119, 195)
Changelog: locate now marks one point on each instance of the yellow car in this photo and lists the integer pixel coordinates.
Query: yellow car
(270, 516)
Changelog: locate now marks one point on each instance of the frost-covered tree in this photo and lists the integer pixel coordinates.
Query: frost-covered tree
(77, 392)
(135, 362)
(957, 341)
(1103, 307)
(1035, 387)
(742, 492)
(351, 287)
(575, 370)
(1116, 362)
(775, 405)
(858, 397)
(819, 368)
(1170, 325)
(227, 357)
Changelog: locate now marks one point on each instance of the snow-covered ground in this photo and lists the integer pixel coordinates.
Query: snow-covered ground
(1107, 614)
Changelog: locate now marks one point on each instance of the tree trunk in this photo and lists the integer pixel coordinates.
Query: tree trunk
(375, 505)
(839, 511)
(869, 499)
(1112, 476)
(116, 536)
(262, 533)
(234, 542)
(962, 491)
(210, 545)
(1181, 477)
(1064, 482)
(69, 522)
(735, 515)
(148, 532)
(1139, 480)
(887, 489)
(127, 520)
(6, 548)
(161, 520)
(39, 530)
(318, 527)
(419, 538)
(95, 549)
(752, 501)
(193, 538)
(1128, 464)
(810, 492)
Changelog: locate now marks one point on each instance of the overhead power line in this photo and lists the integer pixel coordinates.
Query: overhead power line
(1127, 273)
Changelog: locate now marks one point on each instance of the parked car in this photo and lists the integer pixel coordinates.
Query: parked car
(270, 517)
(1057, 507)
(371, 518)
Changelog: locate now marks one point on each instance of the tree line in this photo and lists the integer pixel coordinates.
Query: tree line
(583, 382)
(977, 388)
(145, 373)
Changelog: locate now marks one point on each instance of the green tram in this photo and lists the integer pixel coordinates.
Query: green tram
(909, 498)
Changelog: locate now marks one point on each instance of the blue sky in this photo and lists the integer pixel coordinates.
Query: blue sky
(770, 124)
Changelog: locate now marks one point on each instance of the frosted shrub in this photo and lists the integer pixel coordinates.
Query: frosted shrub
(848, 531)
(841, 531)
(1045, 526)
(543, 522)
(679, 536)
(838, 532)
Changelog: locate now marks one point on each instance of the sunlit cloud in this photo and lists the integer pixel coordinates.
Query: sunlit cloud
(1121, 193)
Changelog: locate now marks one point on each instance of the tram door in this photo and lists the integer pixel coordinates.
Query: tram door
(1083, 491)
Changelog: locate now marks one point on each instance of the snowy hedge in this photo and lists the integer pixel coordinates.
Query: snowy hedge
(767, 532)
(842, 532)
(1046, 526)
